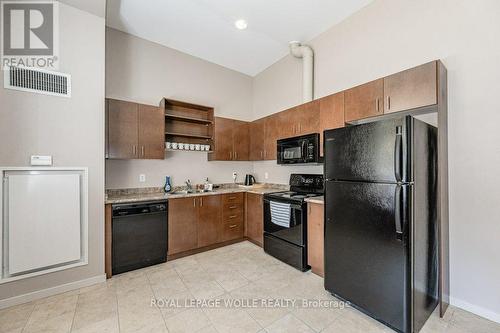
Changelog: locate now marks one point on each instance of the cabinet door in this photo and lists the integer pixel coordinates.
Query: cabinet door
(182, 225)
(209, 220)
(271, 134)
(241, 138)
(288, 122)
(122, 129)
(364, 101)
(151, 132)
(223, 139)
(331, 114)
(257, 140)
(315, 238)
(413, 88)
(307, 118)
(255, 218)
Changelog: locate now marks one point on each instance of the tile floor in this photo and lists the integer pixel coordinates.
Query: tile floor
(238, 272)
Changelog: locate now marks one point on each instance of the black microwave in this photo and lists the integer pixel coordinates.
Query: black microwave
(299, 150)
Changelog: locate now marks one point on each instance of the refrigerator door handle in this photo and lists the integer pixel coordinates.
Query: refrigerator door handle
(398, 154)
(398, 211)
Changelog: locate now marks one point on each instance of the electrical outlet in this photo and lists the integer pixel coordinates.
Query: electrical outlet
(266, 175)
(142, 178)
(235, 175)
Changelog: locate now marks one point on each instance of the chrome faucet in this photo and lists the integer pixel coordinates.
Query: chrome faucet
(189, 186)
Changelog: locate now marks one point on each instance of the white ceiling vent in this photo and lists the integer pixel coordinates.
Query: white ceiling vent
(37, 81)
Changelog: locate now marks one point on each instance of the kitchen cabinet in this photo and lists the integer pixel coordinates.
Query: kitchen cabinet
(151, 132)
(315, 237)
(122, 129)
(233, 216)
(307, 118)
(209, 220)
(331, 114)
(271, 133)
(231, 140)
(182, 225)
(413, 88)
(134, 131)
(241, 140)
(254, 218)
(366, 100)
(257, 138)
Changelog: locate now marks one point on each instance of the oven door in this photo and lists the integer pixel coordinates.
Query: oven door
(294, 232)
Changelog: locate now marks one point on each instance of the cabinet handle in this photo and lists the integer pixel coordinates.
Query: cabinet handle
(235, 155)
(142, 151)
(233, 226)
(388, 102)
(232, 216)
(233, 207)
(201, 202)
(133, 150)
(194, 202)
(377, 107)
(261, 154)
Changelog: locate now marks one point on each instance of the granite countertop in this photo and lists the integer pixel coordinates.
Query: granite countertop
(317, 200)
(135, 195)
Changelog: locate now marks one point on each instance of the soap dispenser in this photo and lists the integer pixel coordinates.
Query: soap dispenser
(168, 187)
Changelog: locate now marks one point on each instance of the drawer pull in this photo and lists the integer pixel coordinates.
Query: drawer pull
(232, 198)
(232, 216)
(233, 207)
(233, 226)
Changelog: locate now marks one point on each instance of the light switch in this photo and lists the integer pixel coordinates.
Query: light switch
(142, 178)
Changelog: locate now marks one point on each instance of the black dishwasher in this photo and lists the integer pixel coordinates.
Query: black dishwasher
(140, 235)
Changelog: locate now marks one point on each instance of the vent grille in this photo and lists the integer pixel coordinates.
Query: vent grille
(37, 81)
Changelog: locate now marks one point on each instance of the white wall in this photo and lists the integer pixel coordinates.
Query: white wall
(389, 36)
(142, 71)
(69, 129)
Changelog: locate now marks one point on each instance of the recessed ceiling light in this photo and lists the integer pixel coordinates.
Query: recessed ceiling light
(241, 24)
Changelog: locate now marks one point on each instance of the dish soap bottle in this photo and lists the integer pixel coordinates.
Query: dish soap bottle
(206, 186)
(168, 187)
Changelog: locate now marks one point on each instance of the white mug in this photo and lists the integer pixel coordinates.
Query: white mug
(197, 147)
(207, 147)
(169, 145)
(186, 146)
(175, 145)
(192, 146)
(181, 146)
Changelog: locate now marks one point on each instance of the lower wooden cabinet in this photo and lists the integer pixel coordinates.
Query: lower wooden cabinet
(209, 220)
(255, 218)
(315, 238)
(182, 225)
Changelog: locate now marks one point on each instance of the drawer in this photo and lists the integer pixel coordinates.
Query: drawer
(233, 210)
(233, 198)
(232, 231)
(235, 218)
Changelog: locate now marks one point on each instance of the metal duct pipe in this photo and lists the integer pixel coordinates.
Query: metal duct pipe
(306, 53)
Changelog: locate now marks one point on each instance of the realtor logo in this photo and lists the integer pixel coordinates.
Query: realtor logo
(29, 33)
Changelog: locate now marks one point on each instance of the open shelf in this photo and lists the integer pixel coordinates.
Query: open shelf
(187, 135)
(190, 151)
(188, 119)
(188, 123)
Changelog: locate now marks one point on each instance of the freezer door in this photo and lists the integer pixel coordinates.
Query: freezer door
(375, 151)
(366, 249)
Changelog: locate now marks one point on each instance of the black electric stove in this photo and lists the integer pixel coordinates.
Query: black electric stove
(285, 220)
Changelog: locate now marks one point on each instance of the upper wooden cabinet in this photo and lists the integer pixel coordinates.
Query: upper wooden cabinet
(122, 129)
(308, 118)
(364, 101)
(134, 131)
(257, 129)
(272, 131)
(331, 114)
(241, 140)
(151, 132)
(231, 140)
(413, 88)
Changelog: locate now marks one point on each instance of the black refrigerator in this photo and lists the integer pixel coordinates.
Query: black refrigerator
(381, 219)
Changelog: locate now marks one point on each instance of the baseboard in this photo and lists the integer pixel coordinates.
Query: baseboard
(35, 295)
(485, 313)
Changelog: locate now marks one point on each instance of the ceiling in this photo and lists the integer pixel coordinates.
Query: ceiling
(205, 28)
